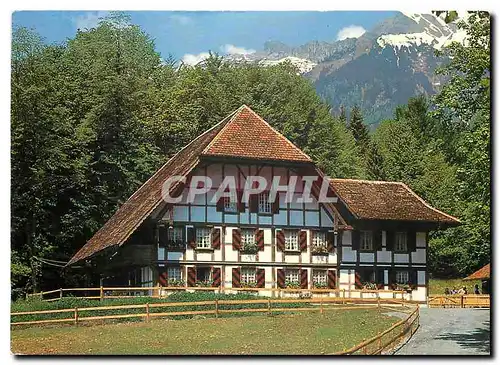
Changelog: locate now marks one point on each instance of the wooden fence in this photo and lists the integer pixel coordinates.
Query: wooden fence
(268, 305)
(159, 292)
(387, 340)
(459, 301)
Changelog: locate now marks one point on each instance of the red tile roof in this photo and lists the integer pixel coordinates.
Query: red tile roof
(384, 200)
(247, 135)
(482, 273)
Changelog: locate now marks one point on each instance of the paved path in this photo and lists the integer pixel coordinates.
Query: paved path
(450, 331)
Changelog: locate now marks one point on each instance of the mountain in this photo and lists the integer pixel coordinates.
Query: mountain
(380, 70)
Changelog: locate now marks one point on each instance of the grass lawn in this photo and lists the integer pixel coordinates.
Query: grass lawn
(437, 286)
(301, 333)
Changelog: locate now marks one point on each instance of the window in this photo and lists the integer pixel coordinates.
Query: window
(402, 277)
(400, 243)
(291, 240)
(174, 273)
(203, 274)
(231, 203)
(264, 205)
(319, 277)
(203, 238)
(366, 241)
(247, 237)
(367, 276)
(318, 239)
(248, 276)
(292, 276)
(175, 234)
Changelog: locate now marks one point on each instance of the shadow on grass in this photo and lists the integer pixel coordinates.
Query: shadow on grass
(478, 339)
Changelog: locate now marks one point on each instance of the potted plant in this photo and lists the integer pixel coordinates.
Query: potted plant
(292, 284)
(320, 285)
(319, 250)
(370, 286)
(178, 246)
(249, 248)
(175, 282)
(203, 283)
(403, 287)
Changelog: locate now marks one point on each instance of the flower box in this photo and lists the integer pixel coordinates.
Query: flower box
(319, 250)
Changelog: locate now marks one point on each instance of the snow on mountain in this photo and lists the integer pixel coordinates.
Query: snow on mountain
(435, 32)
(304, 65)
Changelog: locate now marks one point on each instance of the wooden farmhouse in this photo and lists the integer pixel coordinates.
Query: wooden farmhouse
(370, 234)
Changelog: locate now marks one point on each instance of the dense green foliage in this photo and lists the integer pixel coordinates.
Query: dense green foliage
(94, 117)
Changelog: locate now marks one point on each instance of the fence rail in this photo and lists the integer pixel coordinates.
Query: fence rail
(388, 339)
(459, 301)
(322, 304)
(159, 292)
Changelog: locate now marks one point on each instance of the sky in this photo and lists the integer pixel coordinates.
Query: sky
(190, 35)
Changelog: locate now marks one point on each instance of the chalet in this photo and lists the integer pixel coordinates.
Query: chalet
(366, 234)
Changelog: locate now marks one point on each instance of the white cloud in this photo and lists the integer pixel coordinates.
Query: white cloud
(88, 20)
(232, 49)
(352, 31)
(181, 19)
(193, 59)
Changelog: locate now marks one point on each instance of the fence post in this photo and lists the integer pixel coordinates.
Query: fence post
(379, 344)
(76, 315)
(216, 308)
(60, 293)
(269, 305)
(159, 291)
(321, 304)
(378, 301)
(147, 312)
(343, 296)
(101, 294)
(461, 301)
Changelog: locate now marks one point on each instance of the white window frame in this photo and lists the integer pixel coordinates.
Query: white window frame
(247, 237)
(402, 277)
(231, 203)
(174, 272)
(366, 241)
(319, 239)
(248, 275)
(320, 276)
(291, 240)
(292, 275)
(265, 207)
(401, 242)
(175, 234)
(203, 237)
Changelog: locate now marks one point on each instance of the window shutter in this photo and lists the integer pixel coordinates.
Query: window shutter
(303, 240)
(216, 276)
(236, 239)
(380, 278)
(330, 239)
(163, 279)
(261, 278)
(355, 240)
(241, 204)
(191, 279)
(259, 239)
(377, 240)
(389, 240)
(413, 279)
(303, 279)
(216, 238)
(357, 280)
(280, 280)
(220, 205)
(276, 204)
(340, 235)
(280, 240)
(236, 277)
(162, 236)
(411, 237)
(254, 203)
(332, 279)
(191, 237)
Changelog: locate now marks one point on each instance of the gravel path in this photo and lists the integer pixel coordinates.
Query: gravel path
(450, 331)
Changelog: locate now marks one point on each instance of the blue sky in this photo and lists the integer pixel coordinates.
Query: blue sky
(189, 35)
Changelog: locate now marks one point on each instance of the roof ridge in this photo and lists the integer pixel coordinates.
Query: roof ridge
(233, 114)
(278, 133)
(428, 205)
(369, 181)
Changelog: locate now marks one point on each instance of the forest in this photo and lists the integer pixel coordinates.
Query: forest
(93, 117)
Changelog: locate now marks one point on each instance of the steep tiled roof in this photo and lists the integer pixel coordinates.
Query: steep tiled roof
(250, 136)
(482, 273)
(383, 200)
